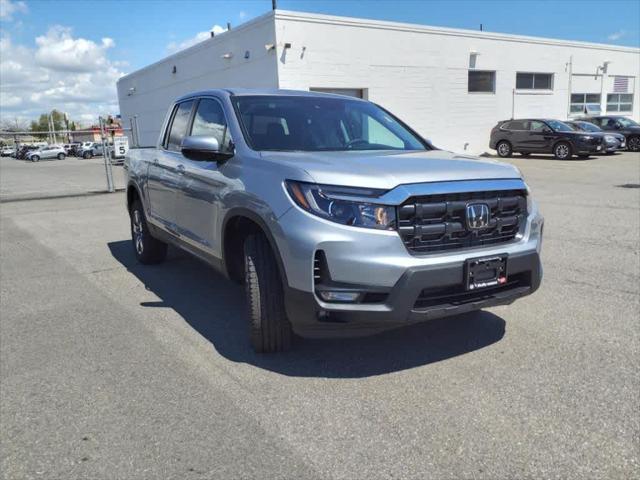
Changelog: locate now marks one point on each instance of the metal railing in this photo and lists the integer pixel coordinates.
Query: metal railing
(106, 133)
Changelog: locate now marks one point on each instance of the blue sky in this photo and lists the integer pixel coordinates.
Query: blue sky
(121, 36)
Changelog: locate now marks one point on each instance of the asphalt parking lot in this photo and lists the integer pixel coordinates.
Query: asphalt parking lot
(110, 369)
(22, 179)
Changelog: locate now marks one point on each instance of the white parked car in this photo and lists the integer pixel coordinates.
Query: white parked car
(7, 151)
(51, 151)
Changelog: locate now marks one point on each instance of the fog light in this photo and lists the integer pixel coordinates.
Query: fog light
(329, 296)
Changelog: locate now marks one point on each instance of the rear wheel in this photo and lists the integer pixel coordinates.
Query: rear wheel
(504, 149)
(148, 250)
(86, 155)
(634, 144)
(562, 151)
(61, 156)
(35, 158)
(270, 330)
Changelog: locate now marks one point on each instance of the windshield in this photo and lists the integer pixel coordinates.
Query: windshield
(587, 127)
(559, 126)
(288, 123)
(627, 122)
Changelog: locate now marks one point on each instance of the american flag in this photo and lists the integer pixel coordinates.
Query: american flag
(620, 84)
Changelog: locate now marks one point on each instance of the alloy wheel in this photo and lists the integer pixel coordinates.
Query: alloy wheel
(562, 151)
(138, 233)
(503, 149)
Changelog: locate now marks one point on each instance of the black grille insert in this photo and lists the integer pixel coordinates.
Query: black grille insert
(438, 222)
(457, 295)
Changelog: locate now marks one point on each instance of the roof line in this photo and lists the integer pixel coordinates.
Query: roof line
(418, 28)
(221, 36)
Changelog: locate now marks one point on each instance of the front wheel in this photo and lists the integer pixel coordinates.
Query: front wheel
(562, 151)
(148, 250)
(61, 156)
(634, 144)
(86, 155)
(35, 158)
(270, 330)
(504, 149)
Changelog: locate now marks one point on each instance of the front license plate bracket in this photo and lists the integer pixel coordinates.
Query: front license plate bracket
(485, 272)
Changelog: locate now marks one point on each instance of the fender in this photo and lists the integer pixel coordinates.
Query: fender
(253, 216)
(132, 183)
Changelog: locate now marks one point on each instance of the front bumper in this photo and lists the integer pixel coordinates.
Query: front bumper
(377, 262)
(584, 148)
(409, 302)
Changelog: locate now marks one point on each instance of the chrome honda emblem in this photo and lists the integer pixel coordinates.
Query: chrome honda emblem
(478, 216)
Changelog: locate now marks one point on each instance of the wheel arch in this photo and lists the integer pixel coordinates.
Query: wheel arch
(133, 193)
(238, 223)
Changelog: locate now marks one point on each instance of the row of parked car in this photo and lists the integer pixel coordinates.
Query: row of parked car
(40, 151)
(581, 137)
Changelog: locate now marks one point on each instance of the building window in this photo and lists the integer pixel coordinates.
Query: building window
(534, 81)
(482, 81)
(588, 103)
(620, 102)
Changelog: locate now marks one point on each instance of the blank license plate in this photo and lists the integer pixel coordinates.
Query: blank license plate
(486, 272)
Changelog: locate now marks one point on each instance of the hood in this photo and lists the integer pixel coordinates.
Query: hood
(388, 169)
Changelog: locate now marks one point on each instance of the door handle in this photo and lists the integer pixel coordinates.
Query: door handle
(180, 169)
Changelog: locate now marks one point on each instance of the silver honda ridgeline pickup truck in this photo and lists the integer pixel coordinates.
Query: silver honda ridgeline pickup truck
(338, 218)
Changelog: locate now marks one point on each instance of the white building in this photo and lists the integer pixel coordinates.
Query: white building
(450, 85)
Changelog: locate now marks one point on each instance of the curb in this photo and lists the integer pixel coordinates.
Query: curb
(45, 196)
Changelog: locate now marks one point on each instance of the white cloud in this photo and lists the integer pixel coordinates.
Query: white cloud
(8, 8)
(66, 73)
(242, 14)
(58, 50)
(616, 35)
(173, 47)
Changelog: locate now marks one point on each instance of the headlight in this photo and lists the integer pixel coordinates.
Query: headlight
(609, 138)
(333, 203)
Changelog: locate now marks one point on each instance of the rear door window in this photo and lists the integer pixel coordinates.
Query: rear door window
(516, 125)
(536, 126)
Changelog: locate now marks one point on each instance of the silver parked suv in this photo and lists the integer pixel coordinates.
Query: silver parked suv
(337, 217)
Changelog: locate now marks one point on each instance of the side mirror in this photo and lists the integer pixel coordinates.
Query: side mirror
(203, 149)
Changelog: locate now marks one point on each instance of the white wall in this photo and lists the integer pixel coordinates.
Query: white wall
(200, 67)
(420, 73)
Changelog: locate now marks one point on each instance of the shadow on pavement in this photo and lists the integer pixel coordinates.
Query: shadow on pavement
(215, 307)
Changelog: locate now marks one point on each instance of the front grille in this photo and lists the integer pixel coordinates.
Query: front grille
(438, 222)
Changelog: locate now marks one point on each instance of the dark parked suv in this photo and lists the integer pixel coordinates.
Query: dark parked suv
(542, 136)
(619, 124)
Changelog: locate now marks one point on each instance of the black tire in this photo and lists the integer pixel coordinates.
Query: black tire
(504, 149)
(86, 155)
(633, 144)
(562, 151)
(148, 250)
(35, 158)
(270, 330)
(61, 156)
